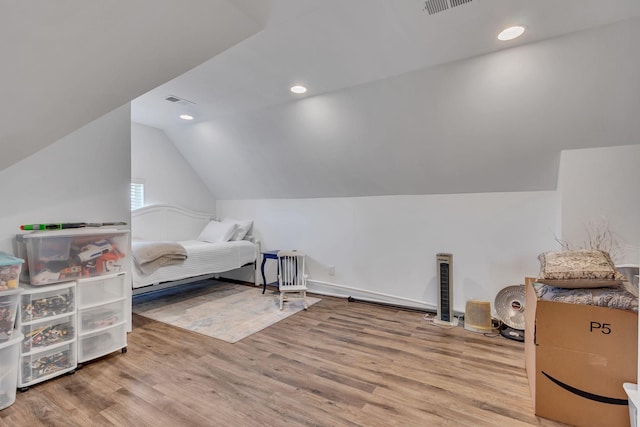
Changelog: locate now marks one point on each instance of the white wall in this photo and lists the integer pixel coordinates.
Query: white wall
(465, 127)
(167, 176)
(602, 183)
(385, 246)
(83, 177)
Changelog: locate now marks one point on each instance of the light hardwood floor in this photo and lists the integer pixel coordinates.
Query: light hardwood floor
(338, 364)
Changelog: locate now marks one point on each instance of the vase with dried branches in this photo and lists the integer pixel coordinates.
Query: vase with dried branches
(599, 237)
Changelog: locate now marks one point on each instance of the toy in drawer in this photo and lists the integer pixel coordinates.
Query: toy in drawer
(42, 365)
(8, 309)
(61, 255)
(38, 303)
(102, 316)
(47, 333)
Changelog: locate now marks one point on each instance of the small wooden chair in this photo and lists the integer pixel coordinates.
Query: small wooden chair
(292, 277)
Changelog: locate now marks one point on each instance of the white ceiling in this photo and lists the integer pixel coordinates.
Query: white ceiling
(329, 45)
(67, 62)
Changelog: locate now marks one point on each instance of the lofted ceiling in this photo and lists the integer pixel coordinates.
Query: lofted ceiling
(329, 45)
(401, 101)
(68, 62)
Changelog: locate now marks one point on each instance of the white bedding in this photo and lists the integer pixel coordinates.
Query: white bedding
(202, 258)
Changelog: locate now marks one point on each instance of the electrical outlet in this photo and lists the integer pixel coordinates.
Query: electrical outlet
(332, 270)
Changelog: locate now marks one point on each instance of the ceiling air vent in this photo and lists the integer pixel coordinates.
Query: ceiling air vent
(436, 6)
(455, 3)
(175, 99)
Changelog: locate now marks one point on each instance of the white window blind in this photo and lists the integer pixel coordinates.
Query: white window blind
(137, 195)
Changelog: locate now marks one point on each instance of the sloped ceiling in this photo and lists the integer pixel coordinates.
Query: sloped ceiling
(380, 74)
(68, 62)
(403, 102)
(331, 45)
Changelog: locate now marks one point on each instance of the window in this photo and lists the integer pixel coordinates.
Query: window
(137, 194)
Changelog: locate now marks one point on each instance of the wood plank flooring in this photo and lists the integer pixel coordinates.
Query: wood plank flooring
(338, 364)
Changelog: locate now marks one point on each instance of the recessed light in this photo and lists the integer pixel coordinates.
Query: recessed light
(186, 117)
(511, 33)
(298, 89)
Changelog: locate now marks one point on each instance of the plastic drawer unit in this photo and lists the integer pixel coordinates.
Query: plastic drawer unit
(8, 308)
(101, 342)
(41, 302)
(102, 321)
(100, 317)
(102, 290)
(47, 320)
(10, 268)
(9, 353)
(48, 331)
(45, 364)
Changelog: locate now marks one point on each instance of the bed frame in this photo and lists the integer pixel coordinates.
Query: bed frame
(169, 222)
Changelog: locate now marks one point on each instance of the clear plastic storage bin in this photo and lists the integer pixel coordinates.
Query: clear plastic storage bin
(101, 317)
(101, 290)
(10, 267)
(9, 354)
(48, 332)
(8, 310)
(38, 303)
(101, 342)
(62, 255)
(43, 365)
(21, 252)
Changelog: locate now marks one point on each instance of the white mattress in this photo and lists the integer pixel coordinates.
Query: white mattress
(202, 258)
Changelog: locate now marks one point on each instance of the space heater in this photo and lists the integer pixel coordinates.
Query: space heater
(444, 315)
(477, 316)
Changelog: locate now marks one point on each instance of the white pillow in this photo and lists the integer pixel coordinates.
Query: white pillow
(216, 232)
(242, 228)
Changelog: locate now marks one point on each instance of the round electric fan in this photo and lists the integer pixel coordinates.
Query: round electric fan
(509, 305)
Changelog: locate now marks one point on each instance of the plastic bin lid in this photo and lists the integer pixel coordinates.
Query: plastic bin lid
(16, 338)
(8, 292)
(72, 232)
(6, 259)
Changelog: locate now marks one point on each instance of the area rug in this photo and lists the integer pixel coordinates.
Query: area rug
(226, 311)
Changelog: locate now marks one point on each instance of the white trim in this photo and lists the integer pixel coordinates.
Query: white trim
(366, 295)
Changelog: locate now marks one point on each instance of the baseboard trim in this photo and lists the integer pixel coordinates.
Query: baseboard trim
(341, 291)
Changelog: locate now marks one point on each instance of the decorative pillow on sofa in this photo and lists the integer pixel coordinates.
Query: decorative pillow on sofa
(216, 232)
(242, 227)
(578, 269)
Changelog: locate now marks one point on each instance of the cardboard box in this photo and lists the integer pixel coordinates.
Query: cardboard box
(577, 358)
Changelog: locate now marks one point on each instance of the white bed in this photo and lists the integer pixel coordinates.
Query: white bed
(166, 223)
